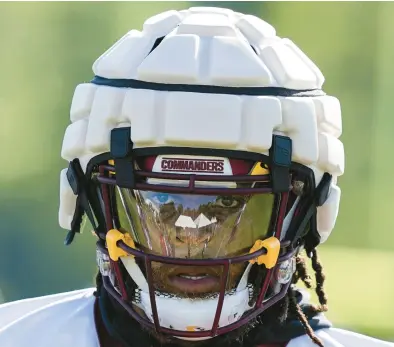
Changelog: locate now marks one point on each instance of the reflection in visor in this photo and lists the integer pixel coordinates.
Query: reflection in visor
(193, 226)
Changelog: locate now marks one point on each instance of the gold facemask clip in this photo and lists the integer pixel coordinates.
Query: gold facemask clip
(272, 245)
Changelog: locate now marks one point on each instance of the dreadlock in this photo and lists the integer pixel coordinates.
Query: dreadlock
(320, 278)
(303, 275)
(295, 308)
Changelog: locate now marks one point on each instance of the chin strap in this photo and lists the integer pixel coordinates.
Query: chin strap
(135, 273)
(306, 215)
(79, 185)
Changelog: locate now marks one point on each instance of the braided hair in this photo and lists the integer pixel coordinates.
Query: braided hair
(303, 275)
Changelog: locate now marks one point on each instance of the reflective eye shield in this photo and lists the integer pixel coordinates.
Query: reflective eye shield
(278, 161)
(191, 225)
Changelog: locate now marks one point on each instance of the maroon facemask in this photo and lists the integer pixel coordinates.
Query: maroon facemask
(194, 220)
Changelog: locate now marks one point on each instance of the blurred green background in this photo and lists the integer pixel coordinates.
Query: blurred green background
(48, 48)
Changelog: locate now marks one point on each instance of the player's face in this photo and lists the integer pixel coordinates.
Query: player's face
(193, 227)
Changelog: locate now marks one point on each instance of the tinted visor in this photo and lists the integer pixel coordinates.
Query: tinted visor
(190, 225)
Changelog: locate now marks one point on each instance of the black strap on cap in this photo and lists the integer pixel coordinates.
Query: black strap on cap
(323, 189)
(77, 180)
(280, 154)
(308, 214)
(121, 151)
(312, 239)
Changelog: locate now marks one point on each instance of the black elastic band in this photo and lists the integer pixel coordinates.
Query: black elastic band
(77, 180)
(206, 89)
(308, 212)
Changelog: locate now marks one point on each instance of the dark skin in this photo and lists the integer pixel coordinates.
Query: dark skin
(162, 273)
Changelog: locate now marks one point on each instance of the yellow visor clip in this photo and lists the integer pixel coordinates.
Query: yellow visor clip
(272, 245)
(113, 236)
(259, 169)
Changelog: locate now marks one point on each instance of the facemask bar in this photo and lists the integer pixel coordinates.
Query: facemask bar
(147, 259)
(192, 178)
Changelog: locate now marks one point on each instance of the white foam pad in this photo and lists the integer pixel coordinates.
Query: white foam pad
(244, 67)
(307, 61)
(261, 115)
(74, 140)
(67, 202)
(289, 70)
(255, 29)
(123, 59)
(161, 24)
(299, 121)
(328, 114)
(169, 68)
(327, 214)
(331, 154)
(207, 24)
(106, 108)
(139, 108)
(82, 101)
(199, 126)
(207, 46)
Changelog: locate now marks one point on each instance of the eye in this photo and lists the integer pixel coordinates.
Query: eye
(228, 202)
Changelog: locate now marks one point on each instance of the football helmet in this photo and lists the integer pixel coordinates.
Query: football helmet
(205, 155)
